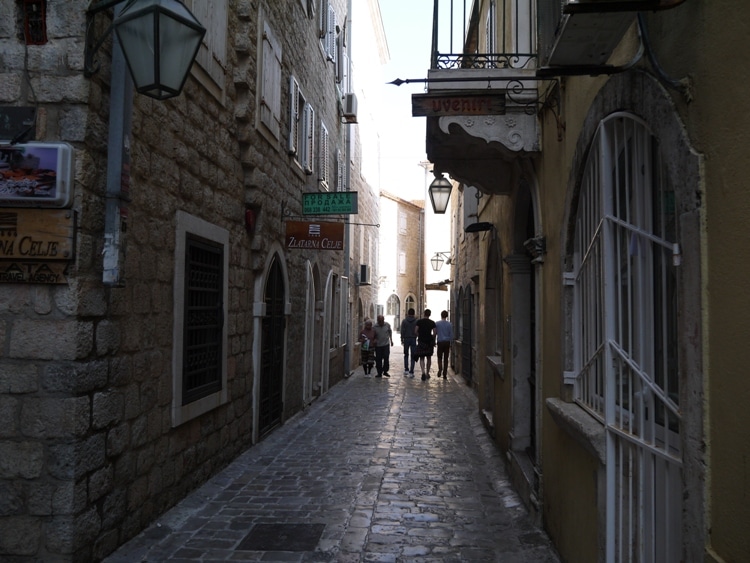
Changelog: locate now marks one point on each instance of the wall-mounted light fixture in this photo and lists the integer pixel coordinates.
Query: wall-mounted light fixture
(159, 38)
(438, 260)
(440, 193)
(478, 227)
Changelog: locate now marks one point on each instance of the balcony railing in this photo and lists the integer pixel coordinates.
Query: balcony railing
(489, 34)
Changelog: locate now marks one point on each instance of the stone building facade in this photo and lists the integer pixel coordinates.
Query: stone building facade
(402, 263)
(182, 328)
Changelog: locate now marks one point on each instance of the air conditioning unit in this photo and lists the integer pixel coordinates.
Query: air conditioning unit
(364, 275)
(350, 108)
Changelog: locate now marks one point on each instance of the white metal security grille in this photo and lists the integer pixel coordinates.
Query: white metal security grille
(625, 332)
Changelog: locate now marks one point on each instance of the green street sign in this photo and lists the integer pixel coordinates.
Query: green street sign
(330, 203)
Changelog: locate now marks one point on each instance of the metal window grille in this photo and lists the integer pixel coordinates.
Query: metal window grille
(204, 319)
(625, 330)
(35, 22)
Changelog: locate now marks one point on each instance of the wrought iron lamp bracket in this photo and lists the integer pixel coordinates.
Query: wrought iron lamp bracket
(90, 66)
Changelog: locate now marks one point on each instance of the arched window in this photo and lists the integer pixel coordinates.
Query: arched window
(625, 338)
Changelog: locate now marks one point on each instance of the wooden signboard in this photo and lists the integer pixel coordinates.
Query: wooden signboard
(460, 102)
(314, 236)
(36, 245)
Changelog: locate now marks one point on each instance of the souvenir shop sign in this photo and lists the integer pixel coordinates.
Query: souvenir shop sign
(314, 236)
(470, 102)
(330, 203)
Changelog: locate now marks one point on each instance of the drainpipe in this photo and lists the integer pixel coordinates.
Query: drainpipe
(347, 230)
(118, 166)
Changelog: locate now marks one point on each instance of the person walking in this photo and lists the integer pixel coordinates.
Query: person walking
(425, 342)
(367, 347)
(383, 343)
(444, 337)
(409, 342)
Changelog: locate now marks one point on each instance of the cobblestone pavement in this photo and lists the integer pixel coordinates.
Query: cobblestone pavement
(392, 470)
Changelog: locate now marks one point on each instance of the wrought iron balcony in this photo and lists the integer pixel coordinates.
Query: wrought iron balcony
(513, 61)
(481, 48)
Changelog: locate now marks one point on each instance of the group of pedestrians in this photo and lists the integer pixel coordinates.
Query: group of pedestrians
(375, 347)
(419, 338)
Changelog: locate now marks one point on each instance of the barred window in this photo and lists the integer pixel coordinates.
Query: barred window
(201, 367)
(199, 349)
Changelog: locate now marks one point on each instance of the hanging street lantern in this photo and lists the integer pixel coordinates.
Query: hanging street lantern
(159, 38)
(440, 193)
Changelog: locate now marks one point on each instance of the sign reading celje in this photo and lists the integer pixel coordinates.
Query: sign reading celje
(314, 236)
(459, 102)
(36, 245)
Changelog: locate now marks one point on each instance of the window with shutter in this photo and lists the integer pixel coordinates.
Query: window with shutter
(270, 82)
(296, 103)
(212, 55)
(346, 85)
(307, 148)
(340, 58)
(330, 38)
(323, 157)
(402, 222)
(340, 171)
(322, 17)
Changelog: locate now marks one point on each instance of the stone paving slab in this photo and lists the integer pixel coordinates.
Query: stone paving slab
(378, 470)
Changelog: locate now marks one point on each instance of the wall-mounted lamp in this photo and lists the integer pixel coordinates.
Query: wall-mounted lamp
(478, 227)
(440, 193)
(159, 38)
(438, 260)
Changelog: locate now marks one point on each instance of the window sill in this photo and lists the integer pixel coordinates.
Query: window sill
(580, 425)
(497, 366)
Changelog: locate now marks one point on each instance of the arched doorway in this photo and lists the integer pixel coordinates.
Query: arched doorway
(271, 388)
(522, 264)
(313, 305)
(393, 311)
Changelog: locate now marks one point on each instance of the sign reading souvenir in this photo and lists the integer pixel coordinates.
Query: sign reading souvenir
(36, 174)
(330, 203)
(472, 102)
(314, 236)
(36, 245)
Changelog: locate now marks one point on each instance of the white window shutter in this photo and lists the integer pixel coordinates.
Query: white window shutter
(322, 18)
(212, 55)
(339, 171)
(309, 129)
(340, 73)
(330, 40)
(346, 85)
(270, 102)
(323, 164)
(294, 116)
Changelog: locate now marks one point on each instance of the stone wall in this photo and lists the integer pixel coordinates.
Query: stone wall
(88, 452)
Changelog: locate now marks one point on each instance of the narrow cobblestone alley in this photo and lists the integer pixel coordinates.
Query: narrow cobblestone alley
(392, 469)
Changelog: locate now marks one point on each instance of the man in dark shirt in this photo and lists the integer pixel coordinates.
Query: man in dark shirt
(409, 342)
(425, 342)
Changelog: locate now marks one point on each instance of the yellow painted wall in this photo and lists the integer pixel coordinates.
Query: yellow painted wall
(713, 48)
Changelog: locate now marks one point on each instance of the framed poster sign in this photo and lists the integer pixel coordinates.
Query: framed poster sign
(36, 175)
